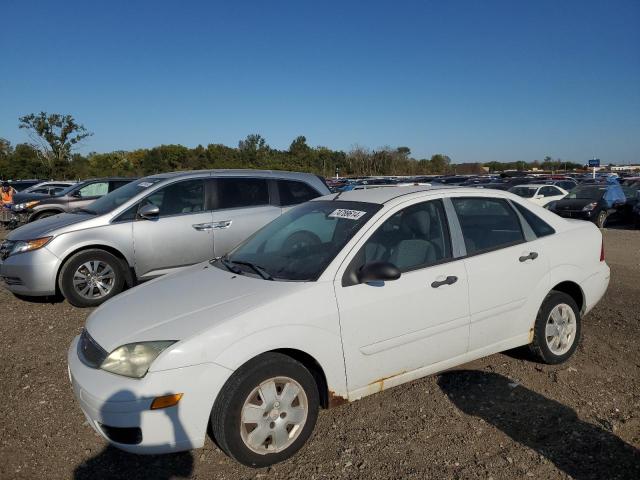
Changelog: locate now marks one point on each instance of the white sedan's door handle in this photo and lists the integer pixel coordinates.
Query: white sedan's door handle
(531, 256)
(222, 224)
(203, 227)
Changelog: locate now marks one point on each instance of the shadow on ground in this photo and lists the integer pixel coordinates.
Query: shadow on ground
(123, 408)
(112, 463)
(580, 449)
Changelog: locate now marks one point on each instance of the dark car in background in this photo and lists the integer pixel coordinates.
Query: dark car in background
(593, 202)
(507, 183)
(567, 184)
(631, 193)
(20, 185)
(636, 211)
(48, 188)
(28, 207)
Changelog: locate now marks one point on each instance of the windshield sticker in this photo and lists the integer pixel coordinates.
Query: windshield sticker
(145, 184)
(350, 214)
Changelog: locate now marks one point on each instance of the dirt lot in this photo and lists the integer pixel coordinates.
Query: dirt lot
(501, 417)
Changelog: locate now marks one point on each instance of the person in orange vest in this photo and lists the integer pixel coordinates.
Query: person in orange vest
(6, 194)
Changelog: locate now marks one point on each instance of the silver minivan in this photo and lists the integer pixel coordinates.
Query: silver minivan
(149, 227)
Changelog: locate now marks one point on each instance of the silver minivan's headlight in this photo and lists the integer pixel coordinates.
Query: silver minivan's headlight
(21, 246)
(134, 359)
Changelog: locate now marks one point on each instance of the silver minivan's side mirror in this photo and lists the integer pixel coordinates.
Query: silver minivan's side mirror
(149, 211)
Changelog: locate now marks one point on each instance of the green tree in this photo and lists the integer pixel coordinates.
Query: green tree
(53, 136)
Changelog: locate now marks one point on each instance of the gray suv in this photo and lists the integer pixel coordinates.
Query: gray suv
(30, 206)
(152, 226)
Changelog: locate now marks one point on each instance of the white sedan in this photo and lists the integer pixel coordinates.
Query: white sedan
(341, 297)
(540, 194)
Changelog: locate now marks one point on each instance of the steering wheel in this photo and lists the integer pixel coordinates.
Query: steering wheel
(299, 240)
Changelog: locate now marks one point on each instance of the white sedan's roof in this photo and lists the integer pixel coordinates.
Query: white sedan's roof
(384, 194)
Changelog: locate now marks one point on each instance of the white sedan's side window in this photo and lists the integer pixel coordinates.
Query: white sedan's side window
(487, 223)
(412, 238)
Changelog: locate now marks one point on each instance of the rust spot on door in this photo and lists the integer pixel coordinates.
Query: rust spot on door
(336, 400)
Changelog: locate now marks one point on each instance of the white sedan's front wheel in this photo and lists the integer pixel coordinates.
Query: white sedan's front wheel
(557, 329)
(266, 411)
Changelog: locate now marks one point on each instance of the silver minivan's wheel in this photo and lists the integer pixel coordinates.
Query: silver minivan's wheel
(266, 411)
(91, 277)
(557, 329)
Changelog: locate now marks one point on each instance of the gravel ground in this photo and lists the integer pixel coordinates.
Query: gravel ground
(502, 417)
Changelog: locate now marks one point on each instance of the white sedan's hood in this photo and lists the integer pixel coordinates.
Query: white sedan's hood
(180, 305)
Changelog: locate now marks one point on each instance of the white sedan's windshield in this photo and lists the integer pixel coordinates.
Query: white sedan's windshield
(301, 243)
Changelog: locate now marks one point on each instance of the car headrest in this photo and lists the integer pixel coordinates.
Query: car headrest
(419, 223)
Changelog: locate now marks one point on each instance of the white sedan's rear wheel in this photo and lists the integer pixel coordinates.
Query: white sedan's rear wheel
(557, 329)
(266, 411)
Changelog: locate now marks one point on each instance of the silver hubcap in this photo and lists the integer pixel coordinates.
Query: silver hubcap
(94, 279)
(560, 332)
(273, 415)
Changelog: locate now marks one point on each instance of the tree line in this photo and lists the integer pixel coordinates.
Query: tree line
(54, 137)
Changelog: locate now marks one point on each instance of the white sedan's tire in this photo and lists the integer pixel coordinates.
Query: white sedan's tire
(556, 333)
(266, 411)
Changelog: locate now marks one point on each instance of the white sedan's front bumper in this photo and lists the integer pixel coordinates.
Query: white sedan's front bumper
(118, 407)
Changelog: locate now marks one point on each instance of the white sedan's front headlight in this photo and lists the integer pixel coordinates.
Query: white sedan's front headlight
(134, 359)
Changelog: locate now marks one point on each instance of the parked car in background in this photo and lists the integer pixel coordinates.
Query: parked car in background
(540, 194)
(593, 202)
(451, 180)
(631, 200)
(473, 181)
(20, 185)
(339, 298)
(150, 227)
(567, 184)
(29, 207)
(507, 183)
(636, 211)
(48, 188)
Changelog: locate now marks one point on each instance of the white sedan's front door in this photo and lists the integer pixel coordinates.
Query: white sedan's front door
(394, 327)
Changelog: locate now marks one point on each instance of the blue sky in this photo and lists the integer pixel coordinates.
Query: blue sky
(477, 80)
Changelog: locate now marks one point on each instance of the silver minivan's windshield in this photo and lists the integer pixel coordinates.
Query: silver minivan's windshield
(300, 244)
(120, 195)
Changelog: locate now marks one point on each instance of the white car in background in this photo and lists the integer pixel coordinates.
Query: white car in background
(339, 298)
(539, 193)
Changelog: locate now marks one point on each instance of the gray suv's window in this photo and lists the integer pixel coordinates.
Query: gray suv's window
(487, 223)
(241, 192)
(97, 189)
(293, 192)
(179, 198)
